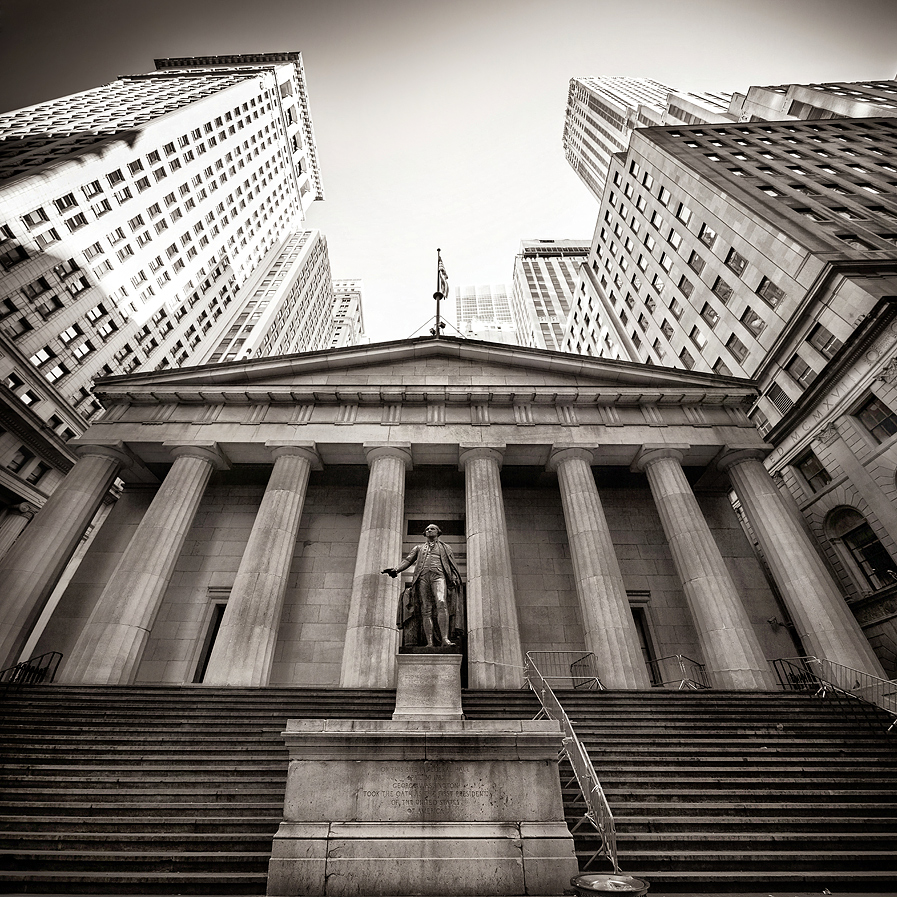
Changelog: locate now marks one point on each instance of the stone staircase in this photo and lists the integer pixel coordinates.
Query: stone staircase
(154, 790)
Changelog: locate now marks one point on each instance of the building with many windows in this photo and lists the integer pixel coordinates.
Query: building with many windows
(483, 312)
(769, 250)
(153, 222)
(348, 318)
(545, 275)
(601, 114)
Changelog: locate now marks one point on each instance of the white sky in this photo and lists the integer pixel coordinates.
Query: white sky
(439, 124)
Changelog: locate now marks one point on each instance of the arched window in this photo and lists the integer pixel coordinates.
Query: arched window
(863, 546)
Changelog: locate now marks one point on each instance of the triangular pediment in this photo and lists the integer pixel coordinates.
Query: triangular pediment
(426, 367)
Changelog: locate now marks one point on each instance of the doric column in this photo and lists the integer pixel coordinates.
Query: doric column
(371, 635)
(609, 627)
(244, 647)
(730, 646)
(494, 655)
(18, 517)
(824, 622)
(110, 646)
(30, 569)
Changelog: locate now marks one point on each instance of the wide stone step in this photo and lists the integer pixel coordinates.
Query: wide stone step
(684, 826)
(817, 862)
(142, 843)
(143, 825)
(143, 883)
(133, 860)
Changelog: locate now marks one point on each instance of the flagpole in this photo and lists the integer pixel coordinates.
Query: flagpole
(438, 294)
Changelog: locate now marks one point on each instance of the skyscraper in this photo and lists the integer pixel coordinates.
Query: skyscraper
(483, 312)
(601, 114)
(545, 276)
(141, 222)
(348, 318)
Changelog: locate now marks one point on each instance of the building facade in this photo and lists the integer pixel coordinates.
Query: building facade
(545, 276)
(585, 499)
(153, 222)
(601, 114)
(483, 312)
(348, 317)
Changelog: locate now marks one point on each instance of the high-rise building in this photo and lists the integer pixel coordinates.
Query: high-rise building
(768, 250)
(348, 319)
(839, 99)
(545, 276)
(153, 222)
(601, 114)
(483, 312)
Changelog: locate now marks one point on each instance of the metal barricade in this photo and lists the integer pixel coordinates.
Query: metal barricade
(568, 669)
(31, 672)
(678, 671)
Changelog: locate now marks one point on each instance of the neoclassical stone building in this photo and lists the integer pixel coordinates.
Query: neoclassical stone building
(586, 501)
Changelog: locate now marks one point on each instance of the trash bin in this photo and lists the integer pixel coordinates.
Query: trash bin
(592, 883)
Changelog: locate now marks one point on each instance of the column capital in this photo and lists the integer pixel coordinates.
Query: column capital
(307, 450)
(116, 451)
(468, 452)
(561, 453)
(400, 450)
(651, 452)
(26, 509)
(205, 451)
(737, 454)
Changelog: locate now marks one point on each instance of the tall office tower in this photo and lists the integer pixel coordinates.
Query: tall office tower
(483, 312)
(545, 276)
(136, 221)
(685, 108)
(601, 114)
(348, 319)
(810, 102)
(286, 305)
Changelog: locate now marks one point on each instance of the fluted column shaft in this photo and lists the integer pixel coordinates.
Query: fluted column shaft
(494, 655)
(110, 646)
(824, 622)
(607, 618)
(244, 648)
(730, 646)
(13, 523)
(371, 635)
(31, 567)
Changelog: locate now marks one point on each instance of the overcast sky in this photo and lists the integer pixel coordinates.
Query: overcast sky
(439, 124)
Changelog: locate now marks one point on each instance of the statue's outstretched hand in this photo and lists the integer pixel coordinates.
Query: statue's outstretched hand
(391, 571)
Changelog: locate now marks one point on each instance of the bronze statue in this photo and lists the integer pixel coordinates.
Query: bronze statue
(431, 607)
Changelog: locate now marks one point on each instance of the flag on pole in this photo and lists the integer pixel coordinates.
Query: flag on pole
(442, 284)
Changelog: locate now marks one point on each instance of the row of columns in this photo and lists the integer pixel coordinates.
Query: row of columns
(110, 647)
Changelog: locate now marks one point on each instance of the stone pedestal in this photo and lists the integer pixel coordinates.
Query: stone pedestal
(428, 685)
(407, 807)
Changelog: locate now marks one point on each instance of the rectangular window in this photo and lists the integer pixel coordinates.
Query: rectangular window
(753, 321)
(736, 262)
(877, 418)
(35, 218)
(697, 337)
(683, 213)
(709, 314)
(737, 348)
(770, 293)
(64, 203)
(722, 368)
(811, 469)
(722, 290)
(800, 371)
(92, 189)
(696, 263)
(686, 358)
(676, 309)
(664, 196)
(707, 235)
(824, 341)
(47, 238)
(141, 184)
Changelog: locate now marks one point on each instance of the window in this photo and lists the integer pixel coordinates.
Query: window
(92, 189)
(709, 315)
(811, 469)
(64, 269)
(722, 369)
(115, 177)
(736, 262)
(70, 334)
(686, 358)
(698, 337)
(35, 218)
(664, 196)
(676, 309)
(737, 348)
(19, 460)
(877, 418)
(64, 203)
(47, 238)
(753, 321)
(824, 341)
(36, 287)
(862, 546)
(707, 235)
(722, 289)
(770, 293)
(666, 328)
(696, 263)
(800, 371)
(683, 213)
(686, 286)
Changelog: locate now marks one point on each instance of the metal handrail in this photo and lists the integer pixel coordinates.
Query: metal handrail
(598, 811)
(828, 676)
(568, 669)
(41, 668)
(692, 674)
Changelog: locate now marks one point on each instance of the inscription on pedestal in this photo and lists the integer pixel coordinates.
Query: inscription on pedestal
(432, 794)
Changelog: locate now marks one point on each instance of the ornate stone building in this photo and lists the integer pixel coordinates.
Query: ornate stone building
(586, 501)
